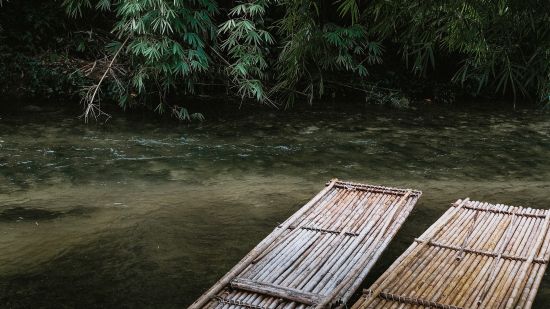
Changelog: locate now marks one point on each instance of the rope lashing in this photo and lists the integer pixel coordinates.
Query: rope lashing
(239, 303)
(412, 300)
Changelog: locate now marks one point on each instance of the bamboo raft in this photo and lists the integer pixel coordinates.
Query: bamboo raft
(477, 255)
(319, 255)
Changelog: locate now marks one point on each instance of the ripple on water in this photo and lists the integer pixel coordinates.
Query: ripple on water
(146, 216)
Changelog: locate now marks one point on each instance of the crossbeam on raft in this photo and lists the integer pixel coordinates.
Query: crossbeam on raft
(324, 230)
(274, 290)
(412, 300)
(507, 251)
(321, 254)
(482, 252)
(525, 212)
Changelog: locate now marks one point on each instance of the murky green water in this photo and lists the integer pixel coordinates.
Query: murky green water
(132, 214)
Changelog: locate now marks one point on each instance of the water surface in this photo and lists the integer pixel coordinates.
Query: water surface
(145, 214)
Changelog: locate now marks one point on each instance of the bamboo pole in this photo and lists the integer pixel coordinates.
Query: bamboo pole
(258, 250)
(374, 259)
(531, 281)
(323, 201)
(328, 298)
(527, 264)
(545, 255)
(271, 276)
(403, 278)
(331, 210)
(478, 277)
(464, 272)
(342, 251)
(461, 277)
(423, 281)
(417, 250)
(514, 234)
(496, 260)
(276, 291)
(365, 300)
(321, 249)
(508, 272)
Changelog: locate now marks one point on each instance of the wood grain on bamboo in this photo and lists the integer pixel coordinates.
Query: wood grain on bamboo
(503, 252)
(319, 255)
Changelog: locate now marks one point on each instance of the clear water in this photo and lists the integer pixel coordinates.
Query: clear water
(137, 214)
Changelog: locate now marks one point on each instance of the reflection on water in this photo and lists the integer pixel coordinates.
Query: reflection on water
(146, 215)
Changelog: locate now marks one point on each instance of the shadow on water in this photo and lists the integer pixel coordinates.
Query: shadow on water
(36, 214)
(138, 214)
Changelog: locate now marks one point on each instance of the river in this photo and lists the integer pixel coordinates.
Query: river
(148, 214)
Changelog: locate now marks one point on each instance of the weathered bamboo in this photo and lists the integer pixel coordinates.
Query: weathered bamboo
(507, 273)
(328, 298)
(413, 300)
(258, 250)
(471, 300)
(493, 229)
(322, 202)
(503, 252)
(538, 279)
(367, 268)
(508, 270)
(437, 258)
(276, 291)
(371, 244)
(463, 270)
(365, 300)
(314, 268)
(282, 255)
(417, 249)
(540, 273)
(328, 261)
(472, 265)
(493, 268)
(520, 282)
(460, 254)
(335, 258)
(330, 246)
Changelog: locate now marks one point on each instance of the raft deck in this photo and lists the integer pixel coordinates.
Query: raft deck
(318, 256)
(477, 255)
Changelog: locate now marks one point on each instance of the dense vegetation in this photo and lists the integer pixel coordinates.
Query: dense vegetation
(159, 53)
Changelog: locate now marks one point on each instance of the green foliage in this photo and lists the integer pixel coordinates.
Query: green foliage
(349, 7)
(45, 77)
(311, 48)
(246, 45)
(501, 45)
(163, 42)
(154, 52)
(33, 56)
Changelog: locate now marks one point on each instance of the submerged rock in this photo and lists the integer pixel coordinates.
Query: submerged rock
(309, 130)
(22, 213)
(34, 214)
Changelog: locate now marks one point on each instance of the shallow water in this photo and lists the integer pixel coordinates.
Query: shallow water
(137, 214)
